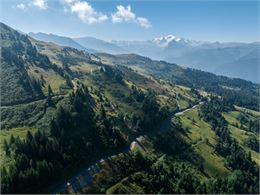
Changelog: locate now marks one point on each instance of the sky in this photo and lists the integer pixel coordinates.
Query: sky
(204, 20)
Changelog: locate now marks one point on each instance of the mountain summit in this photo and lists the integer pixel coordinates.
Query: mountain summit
(165, 40)
(229, 59)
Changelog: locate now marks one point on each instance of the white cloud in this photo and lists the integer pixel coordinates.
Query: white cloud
(70, 1)
(143, 22)
(21, 6)
(85, 11)
(40, 4)
(124, 14)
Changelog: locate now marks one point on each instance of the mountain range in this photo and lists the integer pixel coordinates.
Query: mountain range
(59, 40)
(240, 60)
(78, 122)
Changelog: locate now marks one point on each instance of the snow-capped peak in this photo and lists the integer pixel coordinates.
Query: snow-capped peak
(165, 40)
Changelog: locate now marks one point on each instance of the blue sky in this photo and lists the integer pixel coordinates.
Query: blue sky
(222, 21)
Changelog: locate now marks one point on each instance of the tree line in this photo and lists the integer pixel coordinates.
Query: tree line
(74, 134)
(236, 158)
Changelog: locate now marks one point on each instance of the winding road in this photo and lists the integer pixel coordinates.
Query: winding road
(85, 176)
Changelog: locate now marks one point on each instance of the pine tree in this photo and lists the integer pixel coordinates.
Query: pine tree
(49, 97)
(54, 129)
(29, 136)
(6, 148)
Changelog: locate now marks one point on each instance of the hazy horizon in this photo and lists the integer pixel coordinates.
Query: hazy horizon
(133, 40)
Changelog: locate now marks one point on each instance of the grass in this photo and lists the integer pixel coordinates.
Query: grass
(51, 78)
(231, 117)
(183, 96)
(6, 135)
(240, 135)
(84, 68)
(125, 186)
(167, 101)
(113, 91)
(139, 69)
(203, 140)
(213, 163)
(183, 87)
(182, 103)
(252, 112)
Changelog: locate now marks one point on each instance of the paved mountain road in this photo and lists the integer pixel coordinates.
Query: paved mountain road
(85, 176)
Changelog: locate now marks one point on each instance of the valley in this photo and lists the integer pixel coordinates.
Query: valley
(222, 58)
(85, 176)
(77, 121)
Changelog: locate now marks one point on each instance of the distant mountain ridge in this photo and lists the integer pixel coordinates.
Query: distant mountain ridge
(99, 45)
(59, 40)
(239, 60)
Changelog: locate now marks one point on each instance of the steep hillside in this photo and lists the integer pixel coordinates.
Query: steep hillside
(228, 59)
(195, 156)
(84, 103)
(19, 61)
(121, 124)
(241, 92)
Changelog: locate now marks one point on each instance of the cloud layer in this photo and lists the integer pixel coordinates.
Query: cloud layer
(125, 14)
(85, 11)
(21, 6)
(87, 14)
(40, 4)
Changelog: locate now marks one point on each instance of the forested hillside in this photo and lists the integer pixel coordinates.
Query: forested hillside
(239, 91)
(63, 110)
